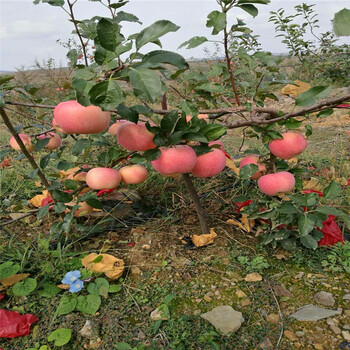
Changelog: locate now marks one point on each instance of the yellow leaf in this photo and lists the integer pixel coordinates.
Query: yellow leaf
(205, 239)
(313, 184)
(10, 281)
(244, 223)
(37, 200)
(65, 173)
(230, 164)
(111, 266)
(292, 160)
(295, 90)
(63, 286)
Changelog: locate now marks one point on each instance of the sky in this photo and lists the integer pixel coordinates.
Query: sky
(29, 32)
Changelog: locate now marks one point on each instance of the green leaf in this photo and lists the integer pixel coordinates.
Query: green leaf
(114, 288)
(341, 23)
(325, 113)
(40, 144)
(293, 123)
(332, 191)
(60, 336)
(2, 101)
(5, 78)
(64, 165)
(146, 83)
(106, 94)
(217, 20)
(88, 304)
(66, 305)
(152, 154)
(154, 32)
(117, 5)
(72, 55)
(251, 9)
(44, 161)
(123, 346)
(107, 33)
(288, 244)
(94, 202)
(43, 211)
(193, 42)
(192, 136)
(25, 287)
(312, 95)
(80, 146)
(161, 56)
(8, 269)
(61, 196)
(215, 132)
(169, 121)
(167, 299)
(128, 113)
(49, 290)
(99, 287)
(305, 225)
(247, 171)
(126, 17)
(309, 242)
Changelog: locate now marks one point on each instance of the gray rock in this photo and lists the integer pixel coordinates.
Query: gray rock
(313, 313)
(86, 331)
(158, 314)
(224, 318)
(324, 298)
(346, 297)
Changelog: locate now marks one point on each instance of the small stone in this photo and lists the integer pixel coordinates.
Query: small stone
(300, 274)
(198, 300)
(266, 344)
(86, 331)
(135, 270)
(217, 292)
(318, 346)
(253, 277)
(297, 345)
(313, 313)
(347, 313)
(196, 312)
(299, 333)
(346, 297)
(290, 335)
(346, 335)
(158, 315)
(207, 298)
(324, 298)
(335, 329)
(272, 318)
(224, 318)
(146, 246)
(245, 302)
(240, 294)
(281, 291)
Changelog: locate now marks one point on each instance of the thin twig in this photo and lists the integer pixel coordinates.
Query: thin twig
(19, 218)
(280, 316)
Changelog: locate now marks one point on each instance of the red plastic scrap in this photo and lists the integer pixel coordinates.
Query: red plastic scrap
(331, 232)
(105, 191)
(241, 205)
(2, 296)
(13, 324)
(320, 194)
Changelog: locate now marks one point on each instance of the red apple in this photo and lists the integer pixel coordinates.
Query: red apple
(25, 139)
(113, 129)
(135, 137)
(83, 210)
(253, 159)
(209, 164)
(272, 184)
(175, 160)
(74, 118)
(55, 141)
(57, 127)
(103, 178)
(292, 144)
(133, 174)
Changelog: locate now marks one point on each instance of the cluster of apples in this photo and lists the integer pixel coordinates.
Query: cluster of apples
(54, 143)
(290, 146)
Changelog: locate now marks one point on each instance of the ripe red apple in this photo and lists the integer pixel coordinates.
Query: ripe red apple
(55, 141)
(253, 159)
(272, 184)
(200, 116)
(113, 129)
(103, 178)
(74, 118)
(57, 127)
(292, 144)
(133, 174)
(209, 164)
(175, 160)
(135, 137)
(25, 139)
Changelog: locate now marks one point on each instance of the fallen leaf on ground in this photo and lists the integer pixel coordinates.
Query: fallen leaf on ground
(65, 173)
(63, 286)
(205, 239)
(111, 266)
(9, 281)
(37, 200)
(230, 164)
(253, 277)
(243, 223)
(312, 184)
(13, 324)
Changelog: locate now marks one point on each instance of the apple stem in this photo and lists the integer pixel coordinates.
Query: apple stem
(197, 204)
(20, 143)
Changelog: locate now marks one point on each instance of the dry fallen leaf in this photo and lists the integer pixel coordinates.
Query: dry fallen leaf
(312, 184)
(253, 277)
(63, 286)
(243, 223)
(292, 160)
(65, 173)
(10, 281)
(205, 239)
(111, 266)
(37, 200)
(230, 164)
